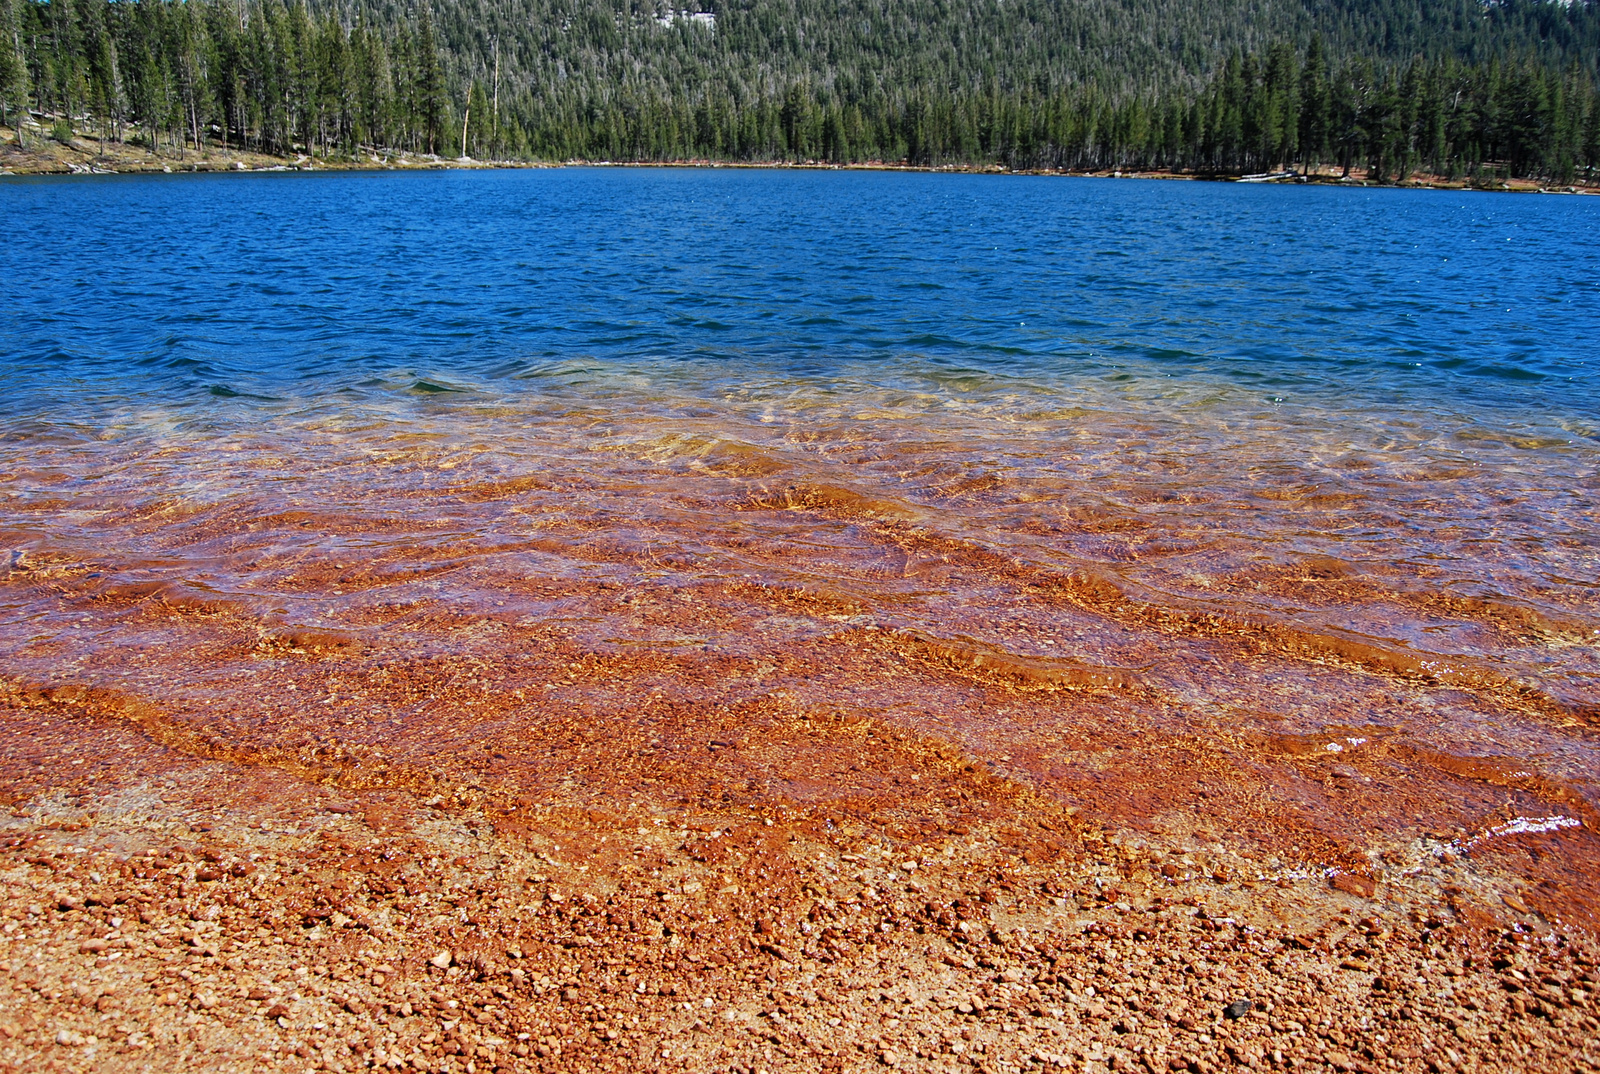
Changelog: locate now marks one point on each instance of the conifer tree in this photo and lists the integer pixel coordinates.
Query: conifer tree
(430, 98)
(1314, 120)
(13, 67)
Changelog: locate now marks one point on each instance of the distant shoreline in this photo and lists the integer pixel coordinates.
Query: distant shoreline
(90, 156)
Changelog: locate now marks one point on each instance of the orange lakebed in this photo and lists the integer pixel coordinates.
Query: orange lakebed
(1367, 656)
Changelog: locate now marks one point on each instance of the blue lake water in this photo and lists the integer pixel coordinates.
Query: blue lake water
(301, 285)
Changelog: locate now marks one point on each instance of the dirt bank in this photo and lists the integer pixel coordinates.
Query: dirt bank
(85, 154)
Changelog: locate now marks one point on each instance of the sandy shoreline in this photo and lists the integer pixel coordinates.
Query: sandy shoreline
(172, 907)
(86, 155)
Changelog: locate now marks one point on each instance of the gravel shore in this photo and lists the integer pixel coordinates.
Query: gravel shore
(166, 911)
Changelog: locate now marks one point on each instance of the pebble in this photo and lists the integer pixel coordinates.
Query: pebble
(1238, 1008)
(1351, 884)
(442, 960)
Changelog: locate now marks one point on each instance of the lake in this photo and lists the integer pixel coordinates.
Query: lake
(1267, 509)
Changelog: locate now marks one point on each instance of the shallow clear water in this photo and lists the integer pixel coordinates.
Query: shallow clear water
(1157, 459)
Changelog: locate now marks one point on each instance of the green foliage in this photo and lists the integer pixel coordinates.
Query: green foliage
(1216, 87)
(13, 65)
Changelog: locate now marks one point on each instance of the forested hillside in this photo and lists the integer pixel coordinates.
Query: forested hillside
(1213, 86)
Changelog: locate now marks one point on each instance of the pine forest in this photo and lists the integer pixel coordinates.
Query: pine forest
(1457, 88)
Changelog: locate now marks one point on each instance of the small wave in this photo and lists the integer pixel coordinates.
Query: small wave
(1500, 371)
(222, 391)
(1515, 826)
(430, 387)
